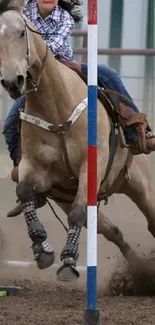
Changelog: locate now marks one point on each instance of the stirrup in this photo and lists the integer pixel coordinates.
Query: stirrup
(142, 139)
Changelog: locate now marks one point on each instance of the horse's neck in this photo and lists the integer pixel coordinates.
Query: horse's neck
(53, 100)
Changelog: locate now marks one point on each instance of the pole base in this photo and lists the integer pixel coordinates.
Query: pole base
(10, 291)
(91, 317)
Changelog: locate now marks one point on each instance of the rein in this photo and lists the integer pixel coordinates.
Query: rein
(35, 83)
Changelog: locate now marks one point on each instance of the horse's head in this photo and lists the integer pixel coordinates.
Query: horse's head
(13, 48)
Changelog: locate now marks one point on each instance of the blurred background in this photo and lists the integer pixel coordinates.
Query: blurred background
(125, 24)
(122, 25)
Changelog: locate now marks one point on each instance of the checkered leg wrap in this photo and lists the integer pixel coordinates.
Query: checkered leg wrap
(37, 231)
(72, 247)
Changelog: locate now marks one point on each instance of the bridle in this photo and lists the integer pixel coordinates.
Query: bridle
(34, 83)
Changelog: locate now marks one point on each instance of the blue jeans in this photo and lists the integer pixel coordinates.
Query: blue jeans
(110, 80)
(12, 133)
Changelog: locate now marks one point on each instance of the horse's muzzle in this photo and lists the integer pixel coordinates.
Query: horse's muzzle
(15, 87)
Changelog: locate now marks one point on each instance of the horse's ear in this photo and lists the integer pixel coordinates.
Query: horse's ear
(19, 3)
(10, 4)
(15, 3)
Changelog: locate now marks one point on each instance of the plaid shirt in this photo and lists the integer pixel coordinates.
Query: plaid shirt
(59, 24)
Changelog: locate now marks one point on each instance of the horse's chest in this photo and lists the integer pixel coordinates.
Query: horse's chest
(56, 161)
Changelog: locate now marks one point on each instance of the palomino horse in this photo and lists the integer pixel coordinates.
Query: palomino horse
(54, 146)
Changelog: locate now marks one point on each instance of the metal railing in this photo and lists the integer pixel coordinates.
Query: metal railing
(118, 51)
(110, 51)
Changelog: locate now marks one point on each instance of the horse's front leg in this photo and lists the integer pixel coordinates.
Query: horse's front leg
(76, 220)
(43, 252)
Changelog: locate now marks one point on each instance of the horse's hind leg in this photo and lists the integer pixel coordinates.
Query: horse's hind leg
(141, 192)
(112, 233)
(43, 252)
(108, 230)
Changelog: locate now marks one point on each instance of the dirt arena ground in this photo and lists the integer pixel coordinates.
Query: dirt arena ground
(43, 299)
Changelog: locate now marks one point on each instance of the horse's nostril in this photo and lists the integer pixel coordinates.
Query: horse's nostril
(13, 85)
(20, 81)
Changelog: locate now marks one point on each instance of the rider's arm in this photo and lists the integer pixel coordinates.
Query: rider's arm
(57, 41)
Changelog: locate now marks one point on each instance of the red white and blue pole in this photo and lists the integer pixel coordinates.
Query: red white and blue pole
(91, 315)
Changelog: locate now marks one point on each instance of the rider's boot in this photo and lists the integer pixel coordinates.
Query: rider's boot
(138, 134)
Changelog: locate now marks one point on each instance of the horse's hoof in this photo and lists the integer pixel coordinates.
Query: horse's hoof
(45, 260)
(43, 254)
(67, 273)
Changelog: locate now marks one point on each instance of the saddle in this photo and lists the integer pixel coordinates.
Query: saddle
(121, 115)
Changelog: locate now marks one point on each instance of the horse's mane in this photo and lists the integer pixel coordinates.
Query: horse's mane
(72, 6)
(6, 5)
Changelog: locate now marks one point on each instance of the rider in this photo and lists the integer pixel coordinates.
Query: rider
(57, 18)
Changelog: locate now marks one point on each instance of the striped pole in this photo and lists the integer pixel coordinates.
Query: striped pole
(91, 315)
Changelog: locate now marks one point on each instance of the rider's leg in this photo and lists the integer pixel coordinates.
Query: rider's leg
(11, 137)
(12, 133)
(111, 80)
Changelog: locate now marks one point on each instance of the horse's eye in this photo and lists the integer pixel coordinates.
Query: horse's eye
(22, 34)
